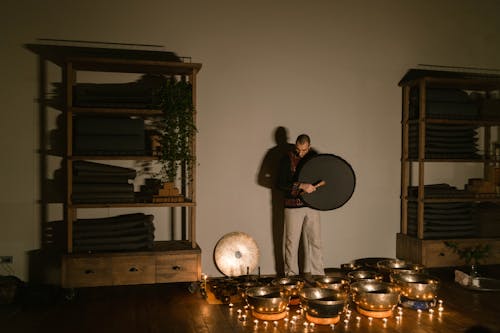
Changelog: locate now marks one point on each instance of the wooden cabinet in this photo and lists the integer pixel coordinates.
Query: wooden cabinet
(448, 119)
(170, 260)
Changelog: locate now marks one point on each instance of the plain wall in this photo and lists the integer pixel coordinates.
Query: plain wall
(327, 68)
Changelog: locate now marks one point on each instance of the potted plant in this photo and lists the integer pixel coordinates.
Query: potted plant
(176, 127)
(472, 255)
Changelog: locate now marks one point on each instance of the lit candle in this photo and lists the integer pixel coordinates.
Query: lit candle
(431, 311)
(256, 321)
(305, 324)
(275, 323)
(384, 320)
(311, 325)
(332, 326)
(370, 319)
(244, 317)
(231, 305)
(358, 319)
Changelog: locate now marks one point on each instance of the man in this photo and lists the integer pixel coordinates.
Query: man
(300, 219)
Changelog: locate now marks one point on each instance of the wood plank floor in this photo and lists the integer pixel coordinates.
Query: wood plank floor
(174, 308)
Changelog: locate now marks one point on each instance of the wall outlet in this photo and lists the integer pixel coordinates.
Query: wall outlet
(6, 259)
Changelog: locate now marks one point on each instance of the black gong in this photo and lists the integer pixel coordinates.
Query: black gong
(335, 179)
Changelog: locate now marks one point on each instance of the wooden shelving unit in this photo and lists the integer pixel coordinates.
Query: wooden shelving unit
(415, 248)
(174, 260)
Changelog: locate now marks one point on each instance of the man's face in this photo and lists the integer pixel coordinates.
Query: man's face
(302, 149)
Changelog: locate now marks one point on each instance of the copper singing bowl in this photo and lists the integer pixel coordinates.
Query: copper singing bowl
(396, 266)
(375, 295)
(291, 284)
(332, 282)
(417, 286)
(267, 299)
(364, 275)
(323, 303)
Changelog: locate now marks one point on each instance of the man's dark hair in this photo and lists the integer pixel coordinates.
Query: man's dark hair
(303, 138)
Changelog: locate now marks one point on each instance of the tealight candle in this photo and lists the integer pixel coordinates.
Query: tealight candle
(275, 323)
(431, 311)
(384, 320)
(312, 325)
(332, 326)
(256, 321)
(230, 305)
(305, 324)
(358, 318)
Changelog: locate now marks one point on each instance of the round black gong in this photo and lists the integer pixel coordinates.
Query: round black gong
(338, 177)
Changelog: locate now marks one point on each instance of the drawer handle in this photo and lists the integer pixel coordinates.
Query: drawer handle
(133, 269)
(441, 254)
(89, 271)
(176, 268)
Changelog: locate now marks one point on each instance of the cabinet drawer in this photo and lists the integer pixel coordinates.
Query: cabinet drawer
(177, 267)
(133, 270)
(86, 272)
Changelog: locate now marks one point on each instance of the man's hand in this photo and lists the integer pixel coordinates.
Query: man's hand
(308, 188)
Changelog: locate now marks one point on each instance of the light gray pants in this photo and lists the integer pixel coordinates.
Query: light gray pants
(297, 221)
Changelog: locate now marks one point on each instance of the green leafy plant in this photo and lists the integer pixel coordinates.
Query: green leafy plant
(176, 127)
(470, 254)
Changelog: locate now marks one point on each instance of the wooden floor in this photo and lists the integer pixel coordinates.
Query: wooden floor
(176, 308)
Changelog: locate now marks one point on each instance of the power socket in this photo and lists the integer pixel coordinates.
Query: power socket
(6, 259)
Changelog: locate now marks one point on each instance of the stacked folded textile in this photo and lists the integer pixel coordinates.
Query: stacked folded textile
(445, 103)
(445, 141)
(109, 136)
(102, 183)
(117, 233)
(143, 93)
(442, 220)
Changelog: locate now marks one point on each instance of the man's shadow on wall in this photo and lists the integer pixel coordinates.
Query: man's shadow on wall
(268, 177)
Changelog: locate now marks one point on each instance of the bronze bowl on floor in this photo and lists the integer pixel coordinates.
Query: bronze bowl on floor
(292, 284)
(361, 275)
(417, 286)
(323, 303)
(375, 295)
(332, 282)
(397, 266)
(267, 299)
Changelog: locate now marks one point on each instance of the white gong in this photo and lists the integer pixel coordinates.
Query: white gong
(236, 254)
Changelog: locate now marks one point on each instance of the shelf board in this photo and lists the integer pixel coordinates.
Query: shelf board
(475, 122)
(134, 204)
(457, 199)
(116, 111)
(113, 157)
(445, 160)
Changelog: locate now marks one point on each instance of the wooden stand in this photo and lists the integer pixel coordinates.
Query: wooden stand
(269, 316)
(322, 321)
(374, 314)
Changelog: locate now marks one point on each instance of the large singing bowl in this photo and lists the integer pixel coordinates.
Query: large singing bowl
(267, 299)
(322, 302)
(417, 286)
(375, 295)
(338, 177)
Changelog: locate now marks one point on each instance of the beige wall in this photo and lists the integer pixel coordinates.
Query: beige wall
(328, 68)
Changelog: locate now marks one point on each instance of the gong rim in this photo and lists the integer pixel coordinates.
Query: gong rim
(335, 171)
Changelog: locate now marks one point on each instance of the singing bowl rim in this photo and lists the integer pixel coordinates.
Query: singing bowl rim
(391, 265)
(319, 295)
(331, 282)
(371, 275)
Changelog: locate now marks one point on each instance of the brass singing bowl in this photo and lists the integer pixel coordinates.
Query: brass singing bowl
(375, 295)
(417, 286)
(291, 284)
(323, 303)
(364, 275)
(397, 266)
(267, 299)
(332, 282)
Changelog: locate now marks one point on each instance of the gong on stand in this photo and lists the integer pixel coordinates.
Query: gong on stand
(236, 254)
